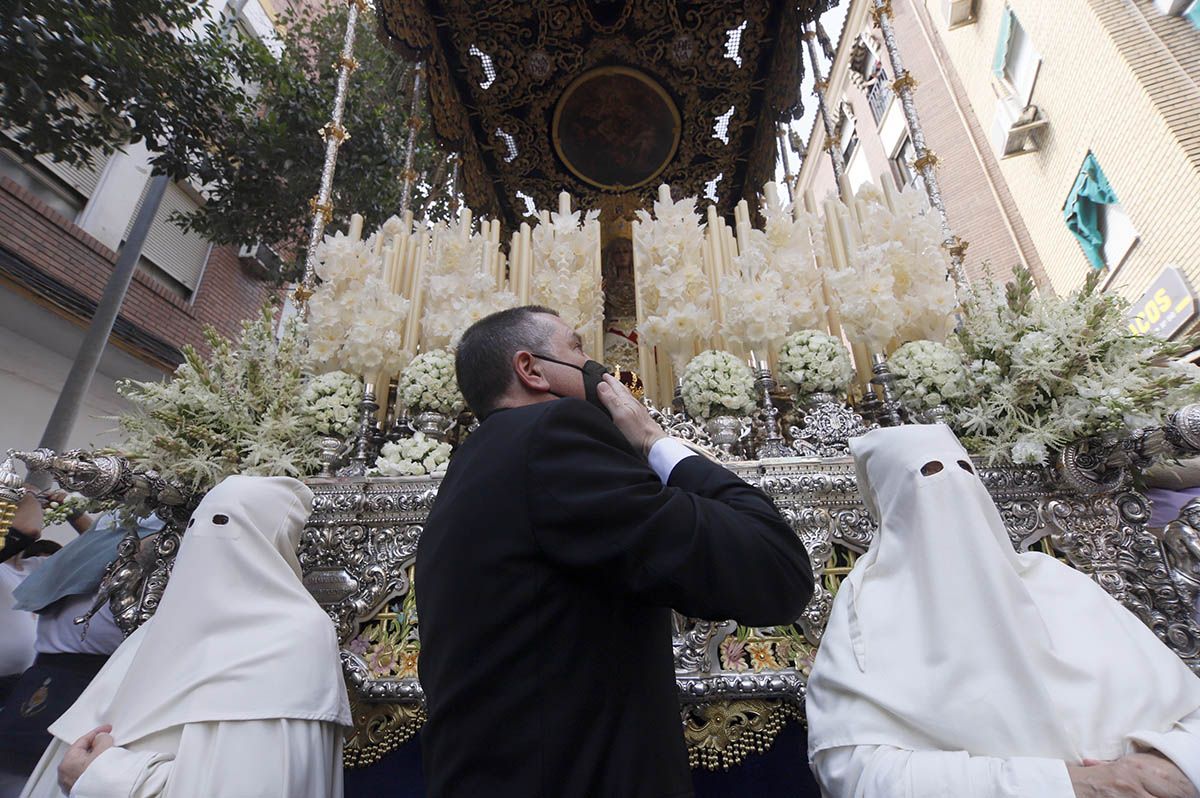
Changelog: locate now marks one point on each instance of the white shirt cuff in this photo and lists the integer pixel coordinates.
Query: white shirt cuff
(665, 454)
(115, 773)
(1178, 745)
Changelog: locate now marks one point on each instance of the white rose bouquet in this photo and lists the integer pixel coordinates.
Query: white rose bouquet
(928, 374)
(428, 384)
(717, 383)
(411, 457)
(813, 361)
(330, 403)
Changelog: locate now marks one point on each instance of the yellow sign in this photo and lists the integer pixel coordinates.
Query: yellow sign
(1166, 306)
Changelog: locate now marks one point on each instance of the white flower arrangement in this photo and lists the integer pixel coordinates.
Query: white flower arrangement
(458, 291)
(355, 322)
(235, 412)
(564, 274)
(674, 289)
(813, 361)
(411, 457)
(895, 287)
(787, 238)
(428, 384)
(330, 402)
(1044, 371)
(928, 374)
(717, 383)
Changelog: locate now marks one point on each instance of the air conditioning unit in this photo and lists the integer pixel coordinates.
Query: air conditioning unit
(958, 13)
(259, 260)
(1015, 128)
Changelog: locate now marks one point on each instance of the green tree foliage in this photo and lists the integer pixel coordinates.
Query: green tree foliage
(78, 79)
(270, 164)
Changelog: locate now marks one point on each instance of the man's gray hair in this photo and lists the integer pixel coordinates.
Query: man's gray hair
(483, 361)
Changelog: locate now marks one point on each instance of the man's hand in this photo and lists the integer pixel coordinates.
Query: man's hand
(1148, 775)
(82, 754)
(28, 519)
(630, 415)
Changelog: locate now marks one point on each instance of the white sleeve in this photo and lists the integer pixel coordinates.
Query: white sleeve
(296, 758)
(870, 771)
(1181, 745)
(119, 772)
(665, 454)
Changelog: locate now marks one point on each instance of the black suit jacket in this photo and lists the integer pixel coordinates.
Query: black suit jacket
(544, 578)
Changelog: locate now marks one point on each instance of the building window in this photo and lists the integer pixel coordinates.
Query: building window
(1095, 217)
(847, 138)
(64, 187)
(1015, 64)
(170, 255)
(879, 93)
(902, 164)
(1193, 14)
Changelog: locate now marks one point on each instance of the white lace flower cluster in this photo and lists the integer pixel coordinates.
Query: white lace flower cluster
(355, 322)
(675, 291)
(330, 403)
(564, 273)
(717, 383)
(813, 361)
(928, 374)
(895, 287)
(428, 384)
(411, 457)
(459, 292)
(1045, 371)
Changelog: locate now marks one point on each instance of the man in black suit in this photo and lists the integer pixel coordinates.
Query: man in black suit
(559, 542)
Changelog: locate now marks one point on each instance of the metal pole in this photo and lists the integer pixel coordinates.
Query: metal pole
(414, 124)
(819, 85)
(925, 160)
(788, 178)
(70, 399)
(334, 134)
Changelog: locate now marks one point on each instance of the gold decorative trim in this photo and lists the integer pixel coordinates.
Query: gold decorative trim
(883, 8)
(348, 62)
(303, 293)
(928, 159)
(720, 735)
(956, 247)
(379, 729)
(325, 209)
(904, 81)
(360, 4)
(335, 131)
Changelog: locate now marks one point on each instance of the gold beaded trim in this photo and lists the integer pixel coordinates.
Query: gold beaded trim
(379, 729)
(722, 734)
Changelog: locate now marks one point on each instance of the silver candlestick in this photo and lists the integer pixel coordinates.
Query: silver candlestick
(773, 444)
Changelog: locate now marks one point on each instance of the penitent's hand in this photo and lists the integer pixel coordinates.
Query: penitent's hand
(82, 754)
(1148, 775)
(630, 415)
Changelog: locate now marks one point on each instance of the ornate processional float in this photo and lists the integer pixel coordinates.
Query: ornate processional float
(764, 328)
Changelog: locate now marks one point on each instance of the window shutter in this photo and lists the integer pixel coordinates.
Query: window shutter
(1002, 43)
(81, 177)
(181, 255)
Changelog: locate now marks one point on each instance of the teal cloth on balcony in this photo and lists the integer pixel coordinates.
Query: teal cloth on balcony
(1193, 14)
(1083, 209)
(1002, 43)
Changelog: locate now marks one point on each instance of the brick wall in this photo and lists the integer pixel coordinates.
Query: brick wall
(53, 245)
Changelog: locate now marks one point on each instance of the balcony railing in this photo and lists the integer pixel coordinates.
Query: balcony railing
(879, 94)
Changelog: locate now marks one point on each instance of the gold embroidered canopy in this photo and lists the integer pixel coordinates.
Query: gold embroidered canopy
(606, 99)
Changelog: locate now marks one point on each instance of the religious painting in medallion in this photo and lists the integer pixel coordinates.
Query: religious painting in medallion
(616, 128)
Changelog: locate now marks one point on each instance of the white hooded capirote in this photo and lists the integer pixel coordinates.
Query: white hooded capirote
(239, 660)
(944, 638)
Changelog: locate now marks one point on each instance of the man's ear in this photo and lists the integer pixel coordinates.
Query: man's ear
(529, 372)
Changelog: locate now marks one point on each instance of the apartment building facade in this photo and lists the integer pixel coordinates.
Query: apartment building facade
(61, 227)
(1067, 136)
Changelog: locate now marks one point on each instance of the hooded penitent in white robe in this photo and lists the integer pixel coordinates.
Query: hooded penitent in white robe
(234, 687)
(953, 666)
